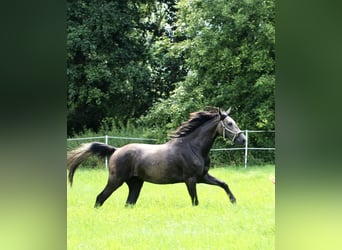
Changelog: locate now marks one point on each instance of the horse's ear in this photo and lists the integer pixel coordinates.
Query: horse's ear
(228, 111)
(222, 115)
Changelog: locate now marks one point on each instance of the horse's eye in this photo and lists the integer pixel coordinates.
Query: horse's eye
(230, 124)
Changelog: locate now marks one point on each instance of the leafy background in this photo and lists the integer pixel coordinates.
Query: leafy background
(148, 64)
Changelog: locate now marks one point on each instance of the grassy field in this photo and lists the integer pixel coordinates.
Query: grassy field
(164, 218)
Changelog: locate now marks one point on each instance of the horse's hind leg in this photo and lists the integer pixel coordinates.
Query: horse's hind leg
(191, 185)
(134, 184)
(211, 180)
(111, 186)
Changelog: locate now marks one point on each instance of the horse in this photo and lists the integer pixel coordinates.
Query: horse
(184, 158)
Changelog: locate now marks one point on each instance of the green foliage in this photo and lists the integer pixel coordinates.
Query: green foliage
(151, 63)
(169, 113)
(107, 76)
(229, 49)
(118, 60)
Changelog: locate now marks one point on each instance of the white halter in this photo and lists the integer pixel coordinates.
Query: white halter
(230, 131)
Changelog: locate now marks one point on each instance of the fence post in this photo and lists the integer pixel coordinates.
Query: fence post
(246, 149)
(106, 160)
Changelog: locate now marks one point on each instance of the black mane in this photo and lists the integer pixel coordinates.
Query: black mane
(196, 120)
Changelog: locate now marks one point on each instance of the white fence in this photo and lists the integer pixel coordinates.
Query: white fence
(246, 148)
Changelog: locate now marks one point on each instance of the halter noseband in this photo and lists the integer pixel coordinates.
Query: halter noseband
(230, 131)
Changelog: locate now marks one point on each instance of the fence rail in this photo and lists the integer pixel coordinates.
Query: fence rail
(246, 148)
(110, 137)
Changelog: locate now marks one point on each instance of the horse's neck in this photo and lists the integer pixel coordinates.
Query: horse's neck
(203, 137)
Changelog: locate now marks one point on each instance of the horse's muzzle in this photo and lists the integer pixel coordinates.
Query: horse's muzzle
(240, 139)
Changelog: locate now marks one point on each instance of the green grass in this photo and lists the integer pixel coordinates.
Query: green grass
(164, 218)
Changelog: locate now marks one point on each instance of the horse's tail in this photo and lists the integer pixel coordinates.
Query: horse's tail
(78, 155)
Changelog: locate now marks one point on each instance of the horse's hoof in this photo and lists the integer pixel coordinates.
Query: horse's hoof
(233, 200)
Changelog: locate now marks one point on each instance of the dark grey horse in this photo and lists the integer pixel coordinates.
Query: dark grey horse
(184, 158)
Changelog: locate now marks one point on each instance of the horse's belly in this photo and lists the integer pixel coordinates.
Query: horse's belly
(157, 164)
(160, 174)
(163, 181)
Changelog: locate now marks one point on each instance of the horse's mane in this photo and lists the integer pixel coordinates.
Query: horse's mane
(196, 120)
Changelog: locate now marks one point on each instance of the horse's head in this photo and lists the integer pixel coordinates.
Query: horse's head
(228, 129)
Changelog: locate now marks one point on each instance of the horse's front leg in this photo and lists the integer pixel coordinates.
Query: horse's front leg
(211, 180)
(191, 185)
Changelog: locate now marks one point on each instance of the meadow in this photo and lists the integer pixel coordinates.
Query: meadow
(164, 218)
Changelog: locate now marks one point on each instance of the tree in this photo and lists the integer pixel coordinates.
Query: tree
(229, 56)
(106, 69)
(120, 60)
